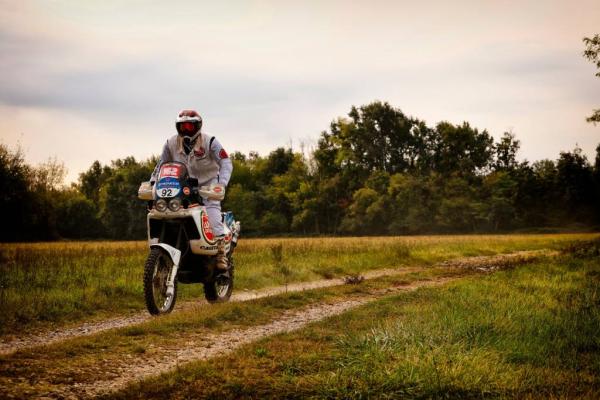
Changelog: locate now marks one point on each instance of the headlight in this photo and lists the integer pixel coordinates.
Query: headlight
(174, 204)
(160, 205)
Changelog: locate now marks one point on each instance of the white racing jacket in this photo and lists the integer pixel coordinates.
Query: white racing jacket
(208, 161)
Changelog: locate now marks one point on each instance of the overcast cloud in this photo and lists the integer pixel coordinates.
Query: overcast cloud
(101, 80)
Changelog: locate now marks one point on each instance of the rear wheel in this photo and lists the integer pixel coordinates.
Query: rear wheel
(156, 273)
(219, 290)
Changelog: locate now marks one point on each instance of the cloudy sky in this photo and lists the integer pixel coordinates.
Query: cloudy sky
(99, 80)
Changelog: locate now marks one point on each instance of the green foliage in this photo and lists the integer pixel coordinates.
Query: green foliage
(120, 210)
(501, 208)
(16, 203)
(77, 215)
(377, 171)
(592, 53)
(462, 150)
(506, 152)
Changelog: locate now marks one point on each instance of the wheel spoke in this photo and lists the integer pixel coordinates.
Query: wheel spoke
(159, 285)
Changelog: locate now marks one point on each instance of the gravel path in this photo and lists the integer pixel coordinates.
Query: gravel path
(10, 345)
(202, 347)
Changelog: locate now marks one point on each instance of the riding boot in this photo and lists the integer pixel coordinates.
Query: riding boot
(222, 262)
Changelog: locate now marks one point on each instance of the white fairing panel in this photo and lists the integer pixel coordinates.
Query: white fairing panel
(206, 244)
(171, 251)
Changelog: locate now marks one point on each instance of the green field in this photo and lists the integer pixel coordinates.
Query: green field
(528, 332)
(62, 282)
(526, 328)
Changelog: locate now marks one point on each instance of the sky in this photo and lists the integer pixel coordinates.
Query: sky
(100, 80)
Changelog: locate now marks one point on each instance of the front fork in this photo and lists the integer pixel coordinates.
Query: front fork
(175, 255)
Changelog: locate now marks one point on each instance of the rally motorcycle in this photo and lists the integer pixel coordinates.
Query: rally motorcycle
(182, 243)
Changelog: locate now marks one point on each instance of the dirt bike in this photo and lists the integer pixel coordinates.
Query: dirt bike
(182, 243)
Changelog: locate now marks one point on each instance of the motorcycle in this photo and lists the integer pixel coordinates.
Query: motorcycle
(182, 243)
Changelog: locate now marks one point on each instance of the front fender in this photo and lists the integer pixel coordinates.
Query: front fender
(171, 251)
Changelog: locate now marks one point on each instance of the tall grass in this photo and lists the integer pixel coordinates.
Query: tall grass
(533, 331)
(68, 281)
(49, 282)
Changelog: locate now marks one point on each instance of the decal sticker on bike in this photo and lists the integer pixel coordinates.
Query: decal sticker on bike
(170, 170)
(168, 187)
(206, 229)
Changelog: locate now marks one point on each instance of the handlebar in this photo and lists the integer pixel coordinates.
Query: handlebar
(214, 191)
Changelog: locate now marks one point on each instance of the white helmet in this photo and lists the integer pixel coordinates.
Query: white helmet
(188, 123)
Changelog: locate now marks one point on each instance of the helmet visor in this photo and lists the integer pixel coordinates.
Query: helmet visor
(188, 128)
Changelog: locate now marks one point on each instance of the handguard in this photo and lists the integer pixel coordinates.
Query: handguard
(145, 191)
(215, 191)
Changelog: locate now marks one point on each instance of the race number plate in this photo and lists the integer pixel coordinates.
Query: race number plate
(168, 187)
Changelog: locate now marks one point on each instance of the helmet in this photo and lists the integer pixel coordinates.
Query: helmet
(188, 123)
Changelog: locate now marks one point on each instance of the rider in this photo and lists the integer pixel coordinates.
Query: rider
(207, 161)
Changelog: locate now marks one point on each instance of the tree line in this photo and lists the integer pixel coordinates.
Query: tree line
(377, 171)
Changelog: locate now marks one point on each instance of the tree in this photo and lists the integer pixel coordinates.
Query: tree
(365, 214)
(414, 203)
(245, 205)
(45, 184)
(462, 151)
(16, 202)
(77, 216)
(458, 208)
(592, 53)
(122, 213)
(92, 180)
(498, 208)
(575, 183)
(506, 152)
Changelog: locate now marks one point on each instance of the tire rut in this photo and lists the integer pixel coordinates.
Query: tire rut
(14, 344)
(190, 348)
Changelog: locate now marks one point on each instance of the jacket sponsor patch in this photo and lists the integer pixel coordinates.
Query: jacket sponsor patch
(199, 152)
(223, 154)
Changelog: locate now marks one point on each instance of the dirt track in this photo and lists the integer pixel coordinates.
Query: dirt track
(192, 346)
(44, 338)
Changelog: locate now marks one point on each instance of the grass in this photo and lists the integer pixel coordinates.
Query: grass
(97, 357)
(530, 332)
(43, 284)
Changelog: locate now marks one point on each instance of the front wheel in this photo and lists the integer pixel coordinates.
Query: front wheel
(156, 273)
(219, 290)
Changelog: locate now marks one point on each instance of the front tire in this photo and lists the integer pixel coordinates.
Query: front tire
(219, 290)
(156, 272)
